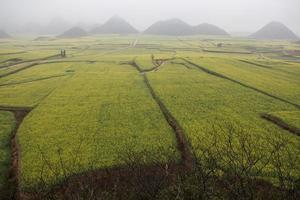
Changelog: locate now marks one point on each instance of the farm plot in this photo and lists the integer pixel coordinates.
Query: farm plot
(101, 113)
(27, 88)
(6, 126)
(26, 56)
(275, 82)
(292, 118)
(38, 72)
(200, 101)
(286, 120)
(144, 62)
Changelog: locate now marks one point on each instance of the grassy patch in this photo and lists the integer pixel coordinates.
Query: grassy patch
(90, 123)
(6, 126)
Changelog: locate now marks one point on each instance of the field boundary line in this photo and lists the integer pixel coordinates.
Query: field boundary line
(266, 67)
(12, 188)
(156, 62)
(183, 146)
(256, 64)
(40, 63)
(240, 83)
(187, 158)
(280, 123)
(12, 53)
(34, 80)
(29, 61)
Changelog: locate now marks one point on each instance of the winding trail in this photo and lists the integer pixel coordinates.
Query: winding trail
(12, 189)
(182, 144)
(187, 159)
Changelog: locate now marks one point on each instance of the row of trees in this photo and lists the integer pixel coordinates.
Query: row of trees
(231, 164)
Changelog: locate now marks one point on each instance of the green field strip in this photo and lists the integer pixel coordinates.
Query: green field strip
(95, 117)
(226, 52)
(26, 67)
(144, 63)
(270, 67)
(282, 124)
(31, 60)
(199, 102)
(11, 60)
(7, 124)
(282, 80)
(13, 53)
(182, 63)
(34, 80)
(29, 94)
(253, 63)
(18, 70)
(187, 158)
(240, 83)
(15, 108)
(144, 69)
(289, 121)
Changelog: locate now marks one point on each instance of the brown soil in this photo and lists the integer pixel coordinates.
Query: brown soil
(120, 180)
(11, 190)
(127, 178)
(279, 122)
(183, 147)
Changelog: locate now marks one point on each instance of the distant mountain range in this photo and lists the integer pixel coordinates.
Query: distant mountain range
(275, 31)
(73, 32)
(209, 29)
(177, 27)
(172, 27)
(169, 27)
(115, 25)
(3, 34)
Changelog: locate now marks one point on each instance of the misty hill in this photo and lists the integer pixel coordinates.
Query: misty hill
(170, 27)
(274, 30)
(115, 25)
(177, 27)
(209, 29)
(73, 32)
(3, 34)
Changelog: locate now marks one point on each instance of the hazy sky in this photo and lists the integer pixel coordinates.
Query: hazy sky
(232, 15)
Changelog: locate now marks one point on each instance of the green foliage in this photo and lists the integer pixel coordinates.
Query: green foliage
(290, 117)
(91, 107)
(90, 122)
(6, 126)
(144, 62)
(199, 100)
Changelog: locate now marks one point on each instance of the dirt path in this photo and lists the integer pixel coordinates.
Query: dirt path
(156, 62)
(182, 145)
(34, 80)
(129, 176)
(280, 123)
(43, 63)
(12, 189)
(32, 60)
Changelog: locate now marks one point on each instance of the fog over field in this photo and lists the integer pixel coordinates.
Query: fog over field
(232, 15)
